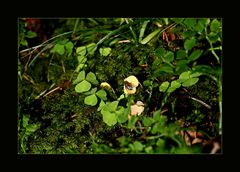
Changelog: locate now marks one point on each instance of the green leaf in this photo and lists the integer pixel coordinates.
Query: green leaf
(181, 66)
(188, 34)
(155, 128)
(24, 42)
(204, 21)
(160, 52)
(80, 77)
(101, 105)
(190, 22)
(164, 86)
(91, 48)
(92, 91)
(69, 47)
(138, 146)
(181, 54)
(142, 30)
(156, 115)
(147, 83)
(165, 68)
(195, 55)
(147, 121)
(25, 120)
(81, 50)
(83, 86)
(105, 51)
(109, 118)
(150, 36)
(189, 43)
(199, 27)
(174, 86)
(58, 48)
(214, 37)
(91, 77)
(31, 34)
(91, 100)
(30, 128)
(122, 114)
(184, 76)
(102, 94)
(132, 121)
(195, 74)
(178, 20)
(113, 106)
(79, 67)
(81, 59)
(160, 143)
(215, 25)
(190, 82)
(169, 56)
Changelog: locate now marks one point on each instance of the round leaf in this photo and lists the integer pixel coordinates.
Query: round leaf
(80, 77)
(91, 100)
(58, 48)
(147, 121)
(122, 114)
(83, 86)
(105, 51)
(164, 86)
(169, 56)
(102, 94)
(69, 47)
(174, 86)
(109, 118)
(195, 55)
(184, 76)
(215, 25)
(81, 59)
(81, 50)
(91, 77)
(25, 120)
(91, 48)
(190, 82)
(189, 43)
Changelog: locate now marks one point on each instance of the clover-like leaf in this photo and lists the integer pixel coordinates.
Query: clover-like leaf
(190, 82)
(215, 25)
(91, 100)
(169, 56)
(69, 47)
(83, 86)
(81, 50)
(91, 48)
(164, 86)
(102, 94)
(58, 48)
(189, 43)
(174, 85)
(80, 77)
(195, 55)
(91, 77)
(109, 118)
(105, 51)
(122, 114)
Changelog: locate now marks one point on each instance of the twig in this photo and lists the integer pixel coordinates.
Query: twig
(45, 42)
(201, 102)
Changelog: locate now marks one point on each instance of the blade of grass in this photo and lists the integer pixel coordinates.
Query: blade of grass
(116, 31)
(143, 30)
(154, 33)
(133, 33)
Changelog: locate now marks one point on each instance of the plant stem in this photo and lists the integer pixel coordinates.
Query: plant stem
(75, 26)
(212, 48)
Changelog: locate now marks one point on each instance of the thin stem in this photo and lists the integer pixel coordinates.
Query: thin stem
(75, 26)
(201, 102)
(212, 48)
